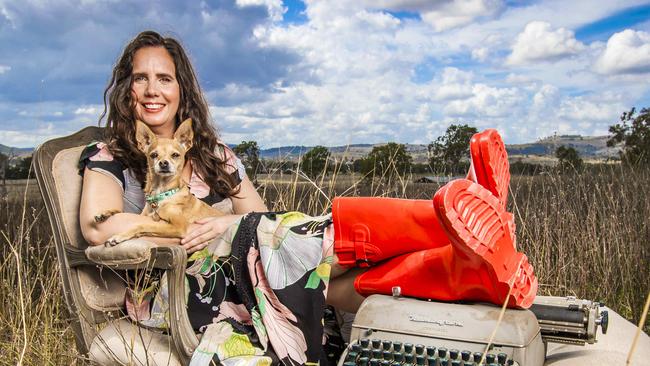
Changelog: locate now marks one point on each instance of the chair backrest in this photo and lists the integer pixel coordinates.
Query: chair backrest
(88, 292)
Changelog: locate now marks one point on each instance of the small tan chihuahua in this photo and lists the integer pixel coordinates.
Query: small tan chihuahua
(168, 199)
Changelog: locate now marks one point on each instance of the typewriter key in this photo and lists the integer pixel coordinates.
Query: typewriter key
(385, 363)
(396, 363)
(490, 358)
(398, 356)
(419, 349)
(363, 361)
(431, 361)
(465, 355)
(364, 342)
(431, 351)
(387, 355)
(397, 346)
(419, 360)
(501, 358)
(511, 362)
(453, 354)
(408, 347)
(493, 364)
(374, 362)
(351, 356)
(408, 358)
(376, 343)
(349, 363)
(376, 353)
(478, 356)
(385, 345)
(442, 352)
(355, 347)
(365, 353)
(455, 363)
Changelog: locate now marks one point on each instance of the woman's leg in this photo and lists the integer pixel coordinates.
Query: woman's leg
(341, 292)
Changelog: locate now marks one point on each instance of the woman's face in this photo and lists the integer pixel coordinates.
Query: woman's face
(155, 89)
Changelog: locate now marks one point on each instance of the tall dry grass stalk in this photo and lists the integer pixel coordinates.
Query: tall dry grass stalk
(586, 234)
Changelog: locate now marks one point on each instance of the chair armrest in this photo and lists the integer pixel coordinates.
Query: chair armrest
(142, 254)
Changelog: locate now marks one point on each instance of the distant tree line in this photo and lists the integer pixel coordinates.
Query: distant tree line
(447, 155)
(14, 167)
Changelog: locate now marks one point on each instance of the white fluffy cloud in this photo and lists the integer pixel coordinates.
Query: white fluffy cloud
(460, 12)
(539, 42)
(4, 68)
(443, 15)
(627, 52)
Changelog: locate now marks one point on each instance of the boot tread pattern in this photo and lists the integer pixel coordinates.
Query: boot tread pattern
(497, 166)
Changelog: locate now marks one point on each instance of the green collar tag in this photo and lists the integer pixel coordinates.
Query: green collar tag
(156, 198)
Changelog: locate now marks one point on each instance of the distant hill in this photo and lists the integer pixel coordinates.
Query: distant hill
(589, 147)
(586, 146)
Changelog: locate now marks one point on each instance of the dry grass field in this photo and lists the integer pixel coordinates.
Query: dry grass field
(587, 235)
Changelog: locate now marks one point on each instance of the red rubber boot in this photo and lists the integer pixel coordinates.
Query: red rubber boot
(481, 264)
(489, 163)
(368, 230)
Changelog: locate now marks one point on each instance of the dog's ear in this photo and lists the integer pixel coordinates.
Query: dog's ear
(184, 134)
(144, 136)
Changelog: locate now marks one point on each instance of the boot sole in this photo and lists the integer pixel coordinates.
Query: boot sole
(490, 161)
(479, 227)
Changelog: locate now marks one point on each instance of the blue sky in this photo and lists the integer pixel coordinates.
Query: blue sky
(339, 72)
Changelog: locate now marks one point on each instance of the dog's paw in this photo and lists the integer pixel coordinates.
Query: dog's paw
(105, 215)
(114, 240)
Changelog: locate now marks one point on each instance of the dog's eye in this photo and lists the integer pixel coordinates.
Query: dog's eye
(176, 155)
(153, 155)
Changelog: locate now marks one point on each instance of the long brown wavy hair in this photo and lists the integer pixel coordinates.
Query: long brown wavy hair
(119, 111)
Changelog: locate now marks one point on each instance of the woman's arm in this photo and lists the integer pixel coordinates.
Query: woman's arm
(99, 194)
(247, 200)
(203, 231)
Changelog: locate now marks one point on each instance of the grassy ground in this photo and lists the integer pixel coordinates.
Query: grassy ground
(587, 235)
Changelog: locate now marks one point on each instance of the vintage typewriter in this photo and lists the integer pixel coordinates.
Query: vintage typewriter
(391, 331)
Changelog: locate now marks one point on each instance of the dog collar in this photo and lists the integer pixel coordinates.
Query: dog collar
(156, 198)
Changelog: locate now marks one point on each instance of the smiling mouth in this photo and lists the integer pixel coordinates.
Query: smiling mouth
(152, 107)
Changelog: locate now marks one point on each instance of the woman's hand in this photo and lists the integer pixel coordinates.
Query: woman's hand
(203, 231)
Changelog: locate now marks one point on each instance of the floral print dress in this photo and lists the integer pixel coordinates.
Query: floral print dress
(261, 305)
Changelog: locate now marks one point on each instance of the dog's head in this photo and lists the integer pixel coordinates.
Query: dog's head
(165, 157)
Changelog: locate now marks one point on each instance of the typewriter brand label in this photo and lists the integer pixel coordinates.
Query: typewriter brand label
(442, 323)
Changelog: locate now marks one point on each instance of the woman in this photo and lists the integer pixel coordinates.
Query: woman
(264, 303)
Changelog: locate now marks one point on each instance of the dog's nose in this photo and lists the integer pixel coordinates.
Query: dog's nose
(164, 164)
